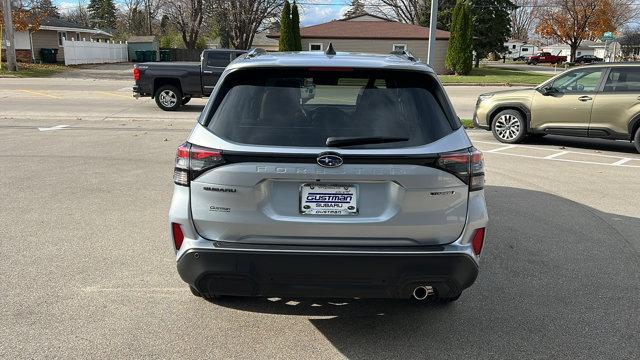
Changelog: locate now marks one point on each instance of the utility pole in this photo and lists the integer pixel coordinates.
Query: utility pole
(12, 65)
(433, 22)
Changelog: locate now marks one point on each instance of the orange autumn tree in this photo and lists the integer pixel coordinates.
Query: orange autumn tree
(572, 21)
(23, 19)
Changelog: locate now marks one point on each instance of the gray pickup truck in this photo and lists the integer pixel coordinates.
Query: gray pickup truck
(173, 84)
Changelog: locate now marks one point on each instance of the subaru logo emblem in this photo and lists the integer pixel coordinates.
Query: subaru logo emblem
(329, 160)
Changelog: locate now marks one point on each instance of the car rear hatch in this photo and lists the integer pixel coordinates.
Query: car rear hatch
(313, 174)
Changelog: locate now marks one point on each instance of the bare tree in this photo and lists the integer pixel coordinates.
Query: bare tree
(406, 11)
(523, 18)
(187, 16)
(243, 18)
(78, 15)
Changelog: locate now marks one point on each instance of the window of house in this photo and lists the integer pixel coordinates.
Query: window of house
(61, 35)
(579, 53)
(315, 47)
(77, 36)
(399, 47)
(513, 46)
(524, 49)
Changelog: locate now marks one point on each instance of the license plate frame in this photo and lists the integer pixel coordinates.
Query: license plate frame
(328, 199)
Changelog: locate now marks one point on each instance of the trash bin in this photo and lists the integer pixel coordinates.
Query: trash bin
(48, 55)
(165, 55)
(150, 55)
(139, 55)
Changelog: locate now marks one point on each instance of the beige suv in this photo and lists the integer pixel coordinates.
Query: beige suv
(600, 101)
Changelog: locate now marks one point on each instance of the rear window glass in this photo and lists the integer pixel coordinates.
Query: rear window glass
(623, 80)
(305, 107)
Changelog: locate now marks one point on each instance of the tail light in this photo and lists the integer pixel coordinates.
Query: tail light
(192, 161)
(467, 165)
(477, 241)
(178, 236)
(136, 74)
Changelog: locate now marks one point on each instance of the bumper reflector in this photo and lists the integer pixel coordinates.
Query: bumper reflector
(478, 241)
(178, 237)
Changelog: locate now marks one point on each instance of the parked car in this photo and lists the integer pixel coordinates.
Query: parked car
(587, 59)
(599, 101)
(173, 84)
(339, 175)
(545, 58)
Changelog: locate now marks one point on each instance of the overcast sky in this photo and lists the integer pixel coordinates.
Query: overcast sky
(310, 14)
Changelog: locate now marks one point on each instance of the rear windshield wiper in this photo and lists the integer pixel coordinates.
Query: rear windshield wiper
(350, 141)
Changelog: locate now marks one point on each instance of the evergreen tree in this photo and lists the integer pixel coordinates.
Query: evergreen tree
(285, 28)
(356, 8)
(296, 41)
(102, 14)
(46, 8)
(491, 26)
(459, 54)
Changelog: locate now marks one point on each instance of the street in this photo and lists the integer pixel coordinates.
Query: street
(93, 99)
(88, 269)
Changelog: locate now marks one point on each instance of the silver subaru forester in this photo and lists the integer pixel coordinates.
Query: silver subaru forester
(317, 174)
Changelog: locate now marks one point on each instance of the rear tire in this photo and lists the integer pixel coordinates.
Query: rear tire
(636, 140)
(509, 126)
(195, 291)
(169, 98)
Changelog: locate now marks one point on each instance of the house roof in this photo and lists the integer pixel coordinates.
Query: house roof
(141, 39)
(346, 29)
(52, 23)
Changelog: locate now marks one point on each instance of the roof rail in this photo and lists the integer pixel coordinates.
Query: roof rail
(255, 52)
(406, 54)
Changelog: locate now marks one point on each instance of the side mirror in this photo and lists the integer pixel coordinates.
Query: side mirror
(548, 91)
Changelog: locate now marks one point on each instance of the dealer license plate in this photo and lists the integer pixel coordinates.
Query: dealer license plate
(318, 199)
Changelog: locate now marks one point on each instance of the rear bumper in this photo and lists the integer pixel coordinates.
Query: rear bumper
(308, 274)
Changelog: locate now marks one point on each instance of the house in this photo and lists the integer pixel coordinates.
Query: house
(562, 49)
(374, 34)
(516, 48)
(49, 35)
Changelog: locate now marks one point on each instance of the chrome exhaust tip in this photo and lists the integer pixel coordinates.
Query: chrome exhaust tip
(422, 292)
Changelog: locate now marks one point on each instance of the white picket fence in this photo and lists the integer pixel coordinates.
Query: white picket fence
(92, 52)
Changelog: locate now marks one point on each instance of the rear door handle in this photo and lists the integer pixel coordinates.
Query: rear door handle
(585, 98)
(207, 71)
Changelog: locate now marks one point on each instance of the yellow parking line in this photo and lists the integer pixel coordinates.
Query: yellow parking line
(39, 94)
(115, 94)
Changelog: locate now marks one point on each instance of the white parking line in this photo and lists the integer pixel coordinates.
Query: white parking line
(556, 154)
(620, 160)
(57, 127)
(500, 148)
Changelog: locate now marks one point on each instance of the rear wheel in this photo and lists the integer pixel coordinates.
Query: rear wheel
(636, 139)
(195, 291)
(508, 126)
(169, 98)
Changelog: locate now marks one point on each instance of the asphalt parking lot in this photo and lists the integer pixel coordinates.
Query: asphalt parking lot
(87, 269)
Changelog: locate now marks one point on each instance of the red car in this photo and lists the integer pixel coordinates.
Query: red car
(545, 58)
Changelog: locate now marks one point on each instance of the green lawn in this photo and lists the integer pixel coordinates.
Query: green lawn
(488, 75)
(32, 70)
(467, 123)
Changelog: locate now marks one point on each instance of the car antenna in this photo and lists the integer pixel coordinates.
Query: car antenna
(330, 50)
